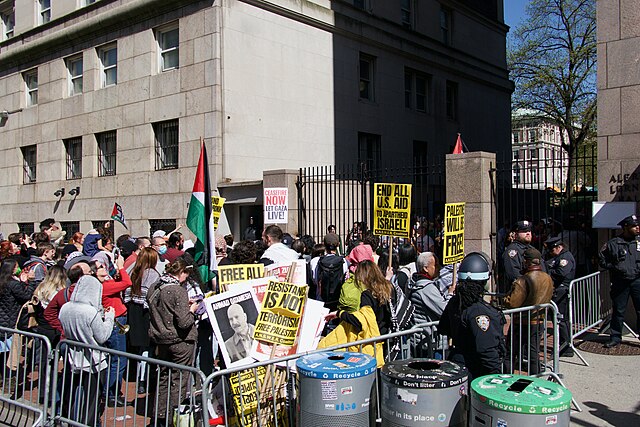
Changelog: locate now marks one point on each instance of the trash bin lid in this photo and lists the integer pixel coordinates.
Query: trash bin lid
(336, 365)
(521, 394)
(424, 373)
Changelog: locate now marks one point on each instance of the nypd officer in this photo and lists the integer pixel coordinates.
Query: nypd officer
(512, 258)
(621, 256)
(561, 266)
(475, 327)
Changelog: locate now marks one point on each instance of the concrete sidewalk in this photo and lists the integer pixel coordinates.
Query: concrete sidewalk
(608, 390)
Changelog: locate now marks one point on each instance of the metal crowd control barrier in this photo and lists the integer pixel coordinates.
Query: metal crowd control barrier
(26, 377)
(82, 389)
(585, 307)
(244, 390)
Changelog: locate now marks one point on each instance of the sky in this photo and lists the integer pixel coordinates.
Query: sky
(514, 12)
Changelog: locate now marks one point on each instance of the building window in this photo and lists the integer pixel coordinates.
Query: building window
(516, 137)
(516, 154)
(44, 7)
(74, 68)
(445, 25)
(369, 150)
(166, 225)
(107, 145)
(101, 222)
(26, 228)
(29, 163)
(166, 135)
(533, 174)
(109, 64)
(532, 135)
(70, 227)
(360, 4)
(73, 147)
(534, 153)
(405, 10)
(8, 18)
(367, 73)
(452, 100)
(168, 44)
(516, 174)
(31, 83)
(416, 90)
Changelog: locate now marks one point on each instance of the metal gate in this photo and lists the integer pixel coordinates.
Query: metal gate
(342, 195)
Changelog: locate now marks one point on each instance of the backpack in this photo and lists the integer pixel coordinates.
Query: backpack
(401, 319)
(30, 265)
(331, 276)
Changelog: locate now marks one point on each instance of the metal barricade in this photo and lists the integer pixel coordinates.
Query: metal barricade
(26, 377)
(585, 307)
(83, 381)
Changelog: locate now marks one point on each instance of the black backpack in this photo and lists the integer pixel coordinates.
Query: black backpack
(331, 276)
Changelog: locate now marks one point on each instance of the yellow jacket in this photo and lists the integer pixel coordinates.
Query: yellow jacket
(346, 333)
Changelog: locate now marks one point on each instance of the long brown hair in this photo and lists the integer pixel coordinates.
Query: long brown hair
(147, 258)
(369, 276)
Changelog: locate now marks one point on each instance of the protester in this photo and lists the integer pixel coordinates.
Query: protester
(143, 276)
(173, 332)
(13, 292)
(140, 243)
(351, 291)
(330, 273)
(244, 252)
(174, 246)
(277, 252)
(407, 260)
(83, 320)
(77, 239)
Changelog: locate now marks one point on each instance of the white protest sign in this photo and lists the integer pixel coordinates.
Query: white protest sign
(276, 205)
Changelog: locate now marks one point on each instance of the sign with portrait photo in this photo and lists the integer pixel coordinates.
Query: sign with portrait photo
(235, 313)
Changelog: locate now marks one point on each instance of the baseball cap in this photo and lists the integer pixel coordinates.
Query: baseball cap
(74, 258)
(159, 233)
(331, 239)
(532, 254)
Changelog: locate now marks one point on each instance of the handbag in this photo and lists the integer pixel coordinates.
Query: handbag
(187, 414)
(15, 353)
(27, 319)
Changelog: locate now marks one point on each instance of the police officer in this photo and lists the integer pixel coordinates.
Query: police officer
(561, 266)
(512, 258)
(475, 327)
(621, 256)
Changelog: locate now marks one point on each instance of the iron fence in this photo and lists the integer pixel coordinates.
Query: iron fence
(342, 195)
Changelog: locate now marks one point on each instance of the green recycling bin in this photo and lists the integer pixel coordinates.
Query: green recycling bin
(517, 400)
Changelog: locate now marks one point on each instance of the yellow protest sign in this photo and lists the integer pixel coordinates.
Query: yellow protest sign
(281, 312)
(216, 209)
(244, 385)
(453, 233)
(228, 274)
(392, 210)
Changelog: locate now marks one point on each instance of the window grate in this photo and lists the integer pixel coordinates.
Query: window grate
(167, 225)
(26, 227)
(166, 136)
(29, 164)
(107, 147)
(73, 148)
(70, 227)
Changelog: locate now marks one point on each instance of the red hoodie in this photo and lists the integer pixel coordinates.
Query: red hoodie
(111, 293)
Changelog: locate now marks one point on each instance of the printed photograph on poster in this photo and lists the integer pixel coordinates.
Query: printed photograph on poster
(257, 286)
(235, 312)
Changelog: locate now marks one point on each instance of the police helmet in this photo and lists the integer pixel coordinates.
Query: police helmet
(474, 266)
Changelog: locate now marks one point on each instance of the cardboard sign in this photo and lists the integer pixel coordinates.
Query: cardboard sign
(216, 209)
(453, 233)
(392, 210)
(228, 274)
(280, 271)
(281, 312)
(276, 205)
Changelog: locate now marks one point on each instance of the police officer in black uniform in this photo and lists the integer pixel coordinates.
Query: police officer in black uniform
(475, 326)
(561, 266)
(621, 256)
(513, 256)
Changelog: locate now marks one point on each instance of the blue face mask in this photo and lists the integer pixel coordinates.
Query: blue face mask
(162, 250)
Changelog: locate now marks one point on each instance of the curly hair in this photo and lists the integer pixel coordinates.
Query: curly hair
(244, 252)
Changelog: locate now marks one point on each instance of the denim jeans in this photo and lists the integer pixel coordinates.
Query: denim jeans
(117, 364)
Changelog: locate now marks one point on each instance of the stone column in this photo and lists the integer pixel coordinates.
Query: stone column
(469, 180)
(285, 178)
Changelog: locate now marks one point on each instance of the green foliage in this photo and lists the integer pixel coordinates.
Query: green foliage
(552, 60)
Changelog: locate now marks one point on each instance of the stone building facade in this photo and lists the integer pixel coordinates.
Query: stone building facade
(107, 100)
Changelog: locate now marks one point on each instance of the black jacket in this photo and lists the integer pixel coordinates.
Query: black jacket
(622, 258)
(562, 268)
(13, 295)
(477, 335)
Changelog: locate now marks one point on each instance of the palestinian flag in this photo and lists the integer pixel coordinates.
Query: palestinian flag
(200, 218)
(117, 215)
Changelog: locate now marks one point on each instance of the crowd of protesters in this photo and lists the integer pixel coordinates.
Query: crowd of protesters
(88, 289)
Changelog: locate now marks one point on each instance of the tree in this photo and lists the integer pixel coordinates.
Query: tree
(552, 60)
